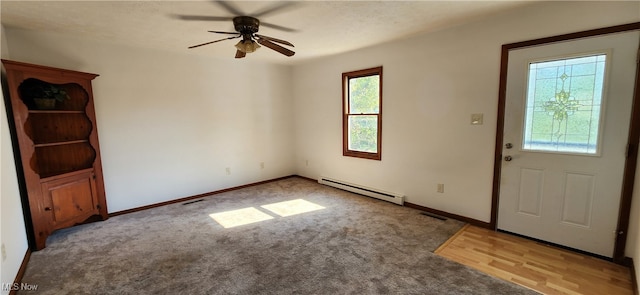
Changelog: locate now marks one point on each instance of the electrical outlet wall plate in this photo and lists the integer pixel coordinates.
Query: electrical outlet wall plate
(476, 119)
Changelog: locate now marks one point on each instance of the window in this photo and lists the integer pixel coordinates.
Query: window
(563, 109)
(362, 113)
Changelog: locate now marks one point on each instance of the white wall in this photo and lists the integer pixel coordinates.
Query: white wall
(13, 235)
(432, 85)
(169, 124)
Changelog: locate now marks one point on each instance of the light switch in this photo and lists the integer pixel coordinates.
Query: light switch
(476, 119)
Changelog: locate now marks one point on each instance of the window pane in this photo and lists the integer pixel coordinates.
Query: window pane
(362, 118)
(363, 95)
(563, 105)
(363, 133)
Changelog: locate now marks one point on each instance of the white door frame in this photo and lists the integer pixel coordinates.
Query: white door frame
(633, 138)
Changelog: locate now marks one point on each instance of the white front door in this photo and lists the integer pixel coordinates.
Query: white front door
(567, 114)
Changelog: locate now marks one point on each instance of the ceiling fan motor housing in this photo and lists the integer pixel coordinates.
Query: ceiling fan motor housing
(246, 25)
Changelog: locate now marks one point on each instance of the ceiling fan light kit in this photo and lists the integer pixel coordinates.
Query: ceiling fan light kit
(247, 46)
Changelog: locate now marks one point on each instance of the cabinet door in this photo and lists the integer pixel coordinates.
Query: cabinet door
(70, 200)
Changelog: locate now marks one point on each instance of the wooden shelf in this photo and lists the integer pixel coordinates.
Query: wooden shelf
(48, 127)
(60, 143)
(50, 160)
(54, 112)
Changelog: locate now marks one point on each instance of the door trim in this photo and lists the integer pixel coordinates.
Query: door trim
(624, 211)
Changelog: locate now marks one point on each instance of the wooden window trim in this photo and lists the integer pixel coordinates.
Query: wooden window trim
(345, 114)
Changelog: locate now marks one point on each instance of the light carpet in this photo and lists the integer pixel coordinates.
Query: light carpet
(312, 239)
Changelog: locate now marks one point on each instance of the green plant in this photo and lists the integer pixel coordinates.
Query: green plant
(39, 89)
(55, 92)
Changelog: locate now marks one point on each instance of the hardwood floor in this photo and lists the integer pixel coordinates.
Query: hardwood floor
(543, 268)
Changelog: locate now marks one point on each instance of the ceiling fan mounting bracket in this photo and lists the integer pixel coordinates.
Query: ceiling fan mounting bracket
(246, 25)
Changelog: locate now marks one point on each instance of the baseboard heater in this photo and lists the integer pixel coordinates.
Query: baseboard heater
(362, 190)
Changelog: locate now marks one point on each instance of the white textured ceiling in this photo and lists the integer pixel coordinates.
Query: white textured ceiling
(323, 27)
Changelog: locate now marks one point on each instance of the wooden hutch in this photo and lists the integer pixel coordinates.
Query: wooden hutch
(59, 156)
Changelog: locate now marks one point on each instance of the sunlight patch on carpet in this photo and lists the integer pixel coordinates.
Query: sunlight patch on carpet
(233, 218)
(293, 207)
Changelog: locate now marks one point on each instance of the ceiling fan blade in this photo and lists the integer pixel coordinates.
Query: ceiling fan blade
(277, 27)
(202, 17)
(240, 54)
(275, 40)
(282, 6)
(275, 47)
(230, 7)
(194, 46)
(218, 32)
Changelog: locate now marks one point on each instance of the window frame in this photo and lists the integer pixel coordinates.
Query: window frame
(377, 71)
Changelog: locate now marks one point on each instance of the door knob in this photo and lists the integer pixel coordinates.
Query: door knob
(47, 208)
(508, 145)
(508, 158)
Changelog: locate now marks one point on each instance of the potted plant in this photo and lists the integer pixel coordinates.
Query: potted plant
(50, 94)
(44, 95)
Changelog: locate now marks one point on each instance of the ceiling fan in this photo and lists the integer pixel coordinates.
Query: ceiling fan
(247, 28)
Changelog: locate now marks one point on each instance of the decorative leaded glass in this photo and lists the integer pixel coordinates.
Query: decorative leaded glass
(563, 105)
